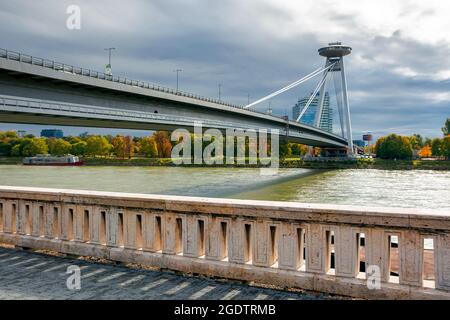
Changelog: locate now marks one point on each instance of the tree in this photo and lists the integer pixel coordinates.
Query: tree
(445, 147)
(425, 152)
(149, 147)
(123, 147)
(436, 147)
(79, 148)
(5, 147)
(416, 141)
(285, 149)
(128, 147)
(163, 144)
(15, 151)
(298, 149)
(446, 128)
(34, 146)
(8, 134)
(393, 147)
(97, 146)
(58, 147)
(118, 146)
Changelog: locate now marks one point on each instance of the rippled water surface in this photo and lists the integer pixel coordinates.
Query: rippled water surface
(426, 189)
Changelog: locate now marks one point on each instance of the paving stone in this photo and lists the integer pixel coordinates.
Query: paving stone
(30, 276)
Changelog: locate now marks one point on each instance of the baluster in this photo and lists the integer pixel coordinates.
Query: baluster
(443, 262)
(411, 258)
(173, 233)
(315, 249)
(346, 251)
(291, 246)
(377, 252)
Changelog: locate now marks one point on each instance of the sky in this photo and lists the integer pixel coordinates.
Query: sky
(396, 73)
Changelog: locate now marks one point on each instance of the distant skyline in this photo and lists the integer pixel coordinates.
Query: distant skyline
(396, 73)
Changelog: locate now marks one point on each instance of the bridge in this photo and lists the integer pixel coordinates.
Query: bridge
(41, 91)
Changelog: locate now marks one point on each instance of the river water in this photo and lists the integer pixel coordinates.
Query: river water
(420, 189)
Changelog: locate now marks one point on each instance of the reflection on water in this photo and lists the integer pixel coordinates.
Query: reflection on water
(210, 182)
(422, 189)
(426, 189)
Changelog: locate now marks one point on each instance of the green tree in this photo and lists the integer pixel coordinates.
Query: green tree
(16, 151)
(393, 147)
(417, 141)
(5, 147)
(34, 146)
(436, 147)
(8, 134)
(79, 148)
(97, 146)
(445, 147)
(58, 147)
(149, 147)
(285, 149)
(446, 128)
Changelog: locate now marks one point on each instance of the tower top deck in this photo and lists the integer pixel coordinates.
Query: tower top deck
(335, 50)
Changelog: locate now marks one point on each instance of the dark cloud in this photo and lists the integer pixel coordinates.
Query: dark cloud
(250, 47)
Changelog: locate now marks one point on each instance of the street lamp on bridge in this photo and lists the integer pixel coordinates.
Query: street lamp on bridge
(220, 90)
(178, 72)
(108, 70)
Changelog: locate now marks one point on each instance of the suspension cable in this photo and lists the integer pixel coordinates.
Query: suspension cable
(321, 82)
(290, 86)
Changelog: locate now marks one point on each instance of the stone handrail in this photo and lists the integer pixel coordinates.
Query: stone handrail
(342, 250)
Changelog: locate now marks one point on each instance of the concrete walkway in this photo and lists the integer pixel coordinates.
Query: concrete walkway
(28, 275)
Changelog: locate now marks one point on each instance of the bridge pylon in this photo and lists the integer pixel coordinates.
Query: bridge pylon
(334, 54)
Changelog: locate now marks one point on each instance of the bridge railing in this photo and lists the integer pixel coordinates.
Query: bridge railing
(360, 252)
(16, 56)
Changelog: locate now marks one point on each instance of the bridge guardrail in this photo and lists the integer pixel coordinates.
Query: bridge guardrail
(307, 246)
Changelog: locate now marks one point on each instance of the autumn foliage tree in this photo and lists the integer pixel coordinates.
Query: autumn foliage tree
(425, 152)
(393, 147)
(163, 144)
(148, 147)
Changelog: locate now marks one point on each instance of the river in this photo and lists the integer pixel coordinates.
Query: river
(420, 189)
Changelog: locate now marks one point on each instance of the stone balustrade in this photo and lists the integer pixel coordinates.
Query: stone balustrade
(326, 248)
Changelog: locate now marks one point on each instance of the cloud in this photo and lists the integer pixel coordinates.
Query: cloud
(400, 52)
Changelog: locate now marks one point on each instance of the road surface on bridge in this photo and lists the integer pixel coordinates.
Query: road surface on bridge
(30, 275)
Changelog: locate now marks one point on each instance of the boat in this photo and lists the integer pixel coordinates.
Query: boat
(49, 160)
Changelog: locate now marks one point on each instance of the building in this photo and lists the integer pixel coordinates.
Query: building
(21, 133)
(52, 133)
(359, 143)
(326, 119)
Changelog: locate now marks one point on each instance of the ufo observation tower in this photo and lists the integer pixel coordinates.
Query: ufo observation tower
(334, 55)
(334, 70)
